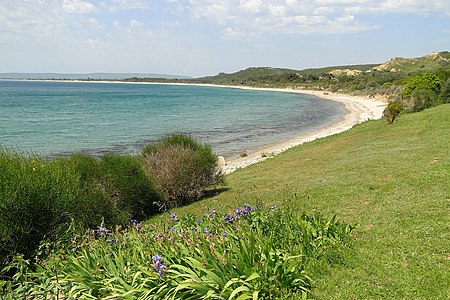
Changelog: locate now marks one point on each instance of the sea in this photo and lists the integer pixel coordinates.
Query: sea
(52, 118)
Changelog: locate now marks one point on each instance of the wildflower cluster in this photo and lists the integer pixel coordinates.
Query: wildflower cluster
(159, 264)
(216, 256)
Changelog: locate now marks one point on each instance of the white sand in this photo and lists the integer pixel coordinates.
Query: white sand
(360, 109)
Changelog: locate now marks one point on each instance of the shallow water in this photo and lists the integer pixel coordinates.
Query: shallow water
(52, 118)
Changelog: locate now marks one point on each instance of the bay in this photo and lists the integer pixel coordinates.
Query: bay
(55, 118)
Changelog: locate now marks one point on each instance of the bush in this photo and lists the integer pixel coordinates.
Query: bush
(445, 92)
(424, 81)
(182, 168)
(39, 198)
(421, 99)
(128, 184)
(392, 111)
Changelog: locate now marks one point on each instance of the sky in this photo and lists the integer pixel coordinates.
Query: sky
(204, 37)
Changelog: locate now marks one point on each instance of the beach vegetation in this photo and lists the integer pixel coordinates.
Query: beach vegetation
(128, 184)
(392, 111)
(445, 92)
(40, 197)
(182, 169)
(251, 253)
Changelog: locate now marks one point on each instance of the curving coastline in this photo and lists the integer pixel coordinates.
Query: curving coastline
(360, 109)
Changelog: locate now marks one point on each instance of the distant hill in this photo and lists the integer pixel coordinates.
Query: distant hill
(435, 62)
(386, 80)
(88, 76)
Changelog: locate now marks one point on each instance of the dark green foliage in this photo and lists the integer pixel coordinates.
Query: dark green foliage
(182, 168)
(421, 99)
(424, 81)
(128, 185)
(445, 92)
(39, 198)
(392, 111)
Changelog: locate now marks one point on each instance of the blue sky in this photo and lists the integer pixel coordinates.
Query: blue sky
(205, 37)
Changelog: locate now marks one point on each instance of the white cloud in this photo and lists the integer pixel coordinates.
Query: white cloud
(78, 6)
(253, 6)
(120, 5)
(135, 23)
(241, 17)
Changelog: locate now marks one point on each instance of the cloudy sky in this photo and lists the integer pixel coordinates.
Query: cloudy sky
(204, 37)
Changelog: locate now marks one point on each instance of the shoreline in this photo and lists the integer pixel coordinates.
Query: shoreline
(359, 109)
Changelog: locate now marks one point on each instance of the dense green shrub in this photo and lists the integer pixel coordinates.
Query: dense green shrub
(128, 184)
(182, 168)
(421, 99)
(422, 91)
(39, 198)
(445, 92)
(424, 81)
(392, 111)
(94, 203)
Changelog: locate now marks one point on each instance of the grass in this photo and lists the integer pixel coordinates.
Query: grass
(392, 180)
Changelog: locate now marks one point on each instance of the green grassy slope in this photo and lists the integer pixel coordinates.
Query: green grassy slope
(391, 180)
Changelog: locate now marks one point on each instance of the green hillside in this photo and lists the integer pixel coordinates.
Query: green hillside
(391, 180)
(386, 80)
(394, 70)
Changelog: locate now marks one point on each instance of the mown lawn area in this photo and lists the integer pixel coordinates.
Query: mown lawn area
(393, 181)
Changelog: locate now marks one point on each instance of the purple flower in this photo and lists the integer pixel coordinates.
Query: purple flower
(206, 215)
(238, 211)
(273, 207)
(159, 264)
(173, 216)
(156, 258)
(229, 218)
(224, 234)
(134, 222)
(174, 229)
(199, 221)
(205, 230)
(248, 208)
(102, 230)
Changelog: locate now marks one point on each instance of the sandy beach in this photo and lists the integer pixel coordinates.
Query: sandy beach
(360, 109)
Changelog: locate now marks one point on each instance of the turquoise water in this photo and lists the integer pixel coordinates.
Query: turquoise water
(52, 118)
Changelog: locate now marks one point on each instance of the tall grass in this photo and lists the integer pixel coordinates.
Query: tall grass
(242, 255)
(39, 198)
(36, 198)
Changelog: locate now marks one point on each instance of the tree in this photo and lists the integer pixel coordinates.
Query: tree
(445, 92)
(424, 81)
